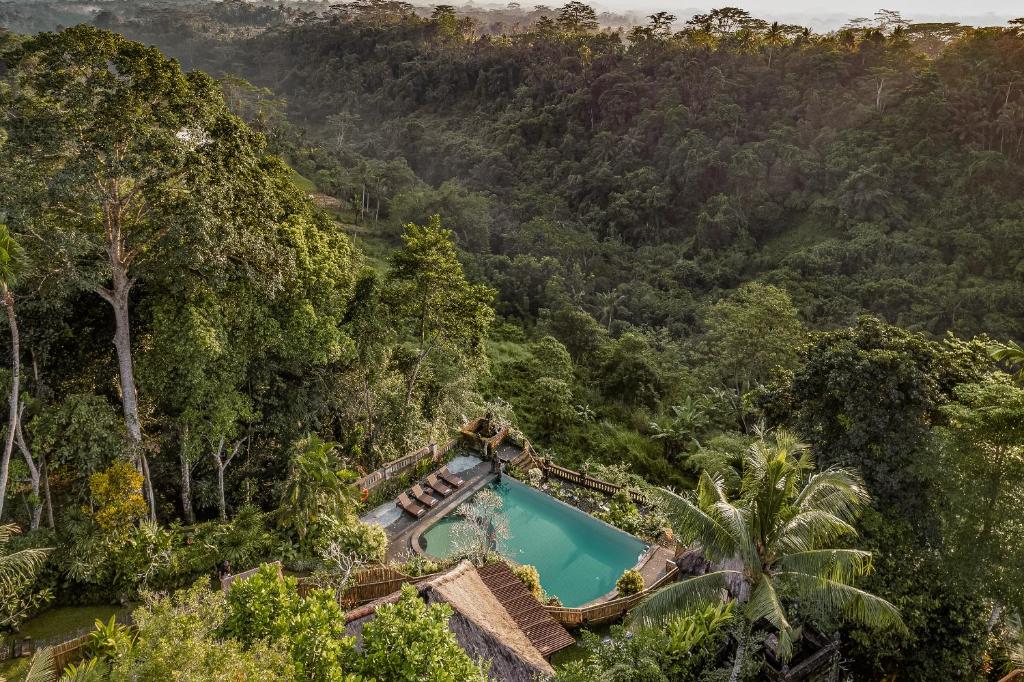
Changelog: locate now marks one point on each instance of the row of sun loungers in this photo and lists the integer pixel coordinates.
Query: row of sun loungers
(418, 499)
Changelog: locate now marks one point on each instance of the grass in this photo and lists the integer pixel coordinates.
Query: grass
(54, 625)
(14, 669)
(302, 182)
(67, 621)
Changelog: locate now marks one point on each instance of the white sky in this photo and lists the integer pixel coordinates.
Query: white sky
(822, 14)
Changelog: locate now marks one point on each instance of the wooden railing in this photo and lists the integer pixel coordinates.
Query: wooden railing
(225, 583)
(370, 584)
(71, 651)
(606, 611)
(584, 480)
(395, 467)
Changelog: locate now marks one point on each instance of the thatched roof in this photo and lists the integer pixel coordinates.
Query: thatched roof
(482, 626)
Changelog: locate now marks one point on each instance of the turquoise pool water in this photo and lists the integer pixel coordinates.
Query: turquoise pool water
(578, 557)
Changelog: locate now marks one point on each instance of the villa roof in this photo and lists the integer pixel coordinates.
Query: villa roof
(546, 634)
(483, 626)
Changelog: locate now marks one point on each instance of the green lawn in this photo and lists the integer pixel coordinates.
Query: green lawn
(302, 182)
(68, 620)
(61, 623)
(14, 670)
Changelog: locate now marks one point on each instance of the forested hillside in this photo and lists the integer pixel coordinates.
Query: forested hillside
(322, 236)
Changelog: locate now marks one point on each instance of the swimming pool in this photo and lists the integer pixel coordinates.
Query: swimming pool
(578, 557)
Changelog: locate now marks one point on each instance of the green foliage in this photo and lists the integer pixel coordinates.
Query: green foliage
(18, 569)
(83, 433)
(685, 651)
(267, 608)
(531, 579)
(258, 608)
(410, 640)
(630, 582)
(783, 531)
(177, 637)
(109, 640)
(317, 488)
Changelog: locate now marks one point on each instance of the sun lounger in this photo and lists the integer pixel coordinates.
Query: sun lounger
(437, 484)
(422, 496)
(450, 478)
(410, 507)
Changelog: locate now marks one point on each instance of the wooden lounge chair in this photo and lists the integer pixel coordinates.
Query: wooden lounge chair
(437, 484)
(450, 478)
(422, 496)
(410, 507)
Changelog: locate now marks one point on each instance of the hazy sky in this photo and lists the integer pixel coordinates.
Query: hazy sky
(825, 14)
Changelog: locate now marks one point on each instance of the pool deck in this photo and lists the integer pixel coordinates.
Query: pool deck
(404, 531)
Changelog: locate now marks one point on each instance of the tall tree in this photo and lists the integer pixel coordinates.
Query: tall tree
(983, 474)
(751, 332)
(429, 292)
(106, 131)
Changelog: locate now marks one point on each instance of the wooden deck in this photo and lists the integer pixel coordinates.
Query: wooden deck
(546, 634)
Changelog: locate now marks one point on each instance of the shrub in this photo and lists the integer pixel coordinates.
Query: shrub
(109, 640)
(267, 608)
(409, 640)
(531, 578)
(258, 606)
(177, 640)
(630, 582)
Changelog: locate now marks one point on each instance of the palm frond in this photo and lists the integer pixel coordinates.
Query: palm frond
(692, 524)
(841, 564)
(19, 565)
(835, 490)
(833, 596)
(692, 593)
(42, 667)
(764, 603)
(735, 519)
(811, 530)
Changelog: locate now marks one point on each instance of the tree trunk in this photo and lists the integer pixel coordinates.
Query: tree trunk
(117, 296)
(222, 464)
(415, 375)
(186, 482)
(33, 472)
(46, 494)
(12, 413)
(371, 458)
(147, 486)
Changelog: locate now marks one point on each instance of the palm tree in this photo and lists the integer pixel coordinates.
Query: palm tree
(317, 486)
(689, 420)
(773, 545)
(610, 305)
(1012, 354)
(774, 38)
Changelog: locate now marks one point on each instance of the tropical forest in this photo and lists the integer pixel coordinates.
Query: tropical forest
(370, 341)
